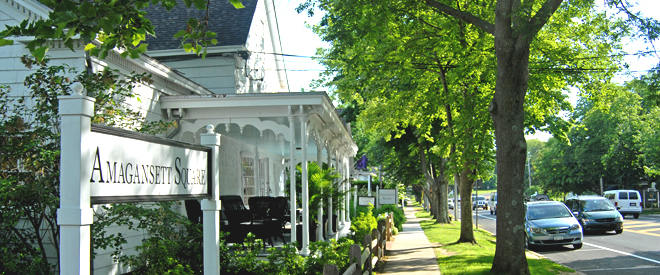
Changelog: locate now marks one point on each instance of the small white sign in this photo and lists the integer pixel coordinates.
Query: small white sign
(366, 200)
(387, 196)
(144, 168)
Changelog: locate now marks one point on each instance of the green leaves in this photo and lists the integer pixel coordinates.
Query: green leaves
(40, 53)
(237, 4)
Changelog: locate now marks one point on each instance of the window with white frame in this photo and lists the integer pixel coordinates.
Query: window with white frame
(248, 173)
(263, 177)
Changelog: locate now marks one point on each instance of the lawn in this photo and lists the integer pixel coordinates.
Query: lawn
(484, 192)
(650, 211)
(473, 259)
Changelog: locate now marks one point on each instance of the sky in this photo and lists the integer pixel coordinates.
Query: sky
(299, 41)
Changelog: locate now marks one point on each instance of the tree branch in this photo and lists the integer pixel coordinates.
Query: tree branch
(462, 15)
(541, 18)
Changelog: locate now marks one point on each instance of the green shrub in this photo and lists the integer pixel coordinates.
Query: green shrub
(243, 258)
(333, 252)
(363, 224)
(170, 238)
(399, 217)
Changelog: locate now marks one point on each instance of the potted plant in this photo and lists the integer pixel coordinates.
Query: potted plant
(323, 184)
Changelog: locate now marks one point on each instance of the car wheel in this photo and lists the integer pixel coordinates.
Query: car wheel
(529, 245)
(636, 216)
(577, 245)
(618, 231)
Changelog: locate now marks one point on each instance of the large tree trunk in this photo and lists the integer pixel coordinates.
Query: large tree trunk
(434, 176)
(443, 208)
(467, 233)
(508, 115)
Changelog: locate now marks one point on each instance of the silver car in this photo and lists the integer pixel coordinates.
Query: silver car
(551, 223)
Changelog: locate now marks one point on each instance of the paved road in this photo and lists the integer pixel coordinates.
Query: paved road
(635, 251)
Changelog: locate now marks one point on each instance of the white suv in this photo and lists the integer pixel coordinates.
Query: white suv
(479, 201)
(628, 202)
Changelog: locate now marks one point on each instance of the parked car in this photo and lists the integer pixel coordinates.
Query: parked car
(450, 203)
(551, 223)
(480, 202)
(628, 202)
(595, 213)
(492, 204)
(539, 197)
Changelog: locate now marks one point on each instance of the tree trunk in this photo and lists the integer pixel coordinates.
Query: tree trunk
(443, 208)
(433, 202)
(508, 115)
(467, 233)
(434, 176)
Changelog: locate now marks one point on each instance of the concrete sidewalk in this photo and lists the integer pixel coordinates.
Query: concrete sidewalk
(410, 252)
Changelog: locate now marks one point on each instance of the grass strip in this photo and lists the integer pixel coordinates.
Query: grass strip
(464, 258)
(647, 211)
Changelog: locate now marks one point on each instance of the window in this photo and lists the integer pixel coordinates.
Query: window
(249, 186)
(633, 196)
(264, 184)
(623, 195)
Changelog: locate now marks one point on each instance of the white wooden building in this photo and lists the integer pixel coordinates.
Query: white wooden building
(240, 88)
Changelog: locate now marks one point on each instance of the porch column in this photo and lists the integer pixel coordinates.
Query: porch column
(330, 214)
(292, 177)
(211, 206)
(305, 186)
(343, 187)
(347, 209)
(319, 216)
(74, 216)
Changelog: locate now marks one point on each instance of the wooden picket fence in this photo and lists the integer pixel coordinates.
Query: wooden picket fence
(362, 262)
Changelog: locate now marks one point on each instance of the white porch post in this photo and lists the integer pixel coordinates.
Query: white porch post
(348, 187)
(211, 206)
(292, 177)
(75, 214)
(319, 216)
(330, 214)
(343, 187)
(257, 173)
(305, 186)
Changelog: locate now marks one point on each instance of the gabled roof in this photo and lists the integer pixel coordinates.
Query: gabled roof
(232, 25)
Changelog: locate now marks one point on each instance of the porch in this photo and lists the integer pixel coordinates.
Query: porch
(263, 137)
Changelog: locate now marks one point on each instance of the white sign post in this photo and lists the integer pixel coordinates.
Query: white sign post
(75, 214)
(211, 207)
(101, 164)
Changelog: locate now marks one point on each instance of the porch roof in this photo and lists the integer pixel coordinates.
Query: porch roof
(264, 119)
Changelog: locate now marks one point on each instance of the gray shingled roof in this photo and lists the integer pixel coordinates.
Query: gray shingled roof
(232, 25)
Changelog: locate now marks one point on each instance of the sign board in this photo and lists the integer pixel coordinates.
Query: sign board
(387, 196)
(366, 200)
(133, 167)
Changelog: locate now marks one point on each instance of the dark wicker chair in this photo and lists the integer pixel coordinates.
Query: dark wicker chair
(262, 222)
(237, 215)
(279, 212)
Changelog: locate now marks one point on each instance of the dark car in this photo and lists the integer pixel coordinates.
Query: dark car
(596, 213)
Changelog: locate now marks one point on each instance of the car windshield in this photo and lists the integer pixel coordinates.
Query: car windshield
(596, 205)
(539, 212)
(479, 198)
